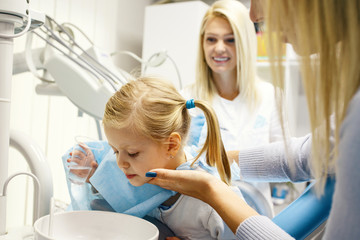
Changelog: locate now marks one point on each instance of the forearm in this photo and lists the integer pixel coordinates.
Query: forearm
(244, 221)
(232, 208)
(275, 162)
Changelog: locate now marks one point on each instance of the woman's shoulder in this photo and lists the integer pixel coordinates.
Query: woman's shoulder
(353, 112)
(356, 99)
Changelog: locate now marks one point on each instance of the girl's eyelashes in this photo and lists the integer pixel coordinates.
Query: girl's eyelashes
(114, 150)
(130, 154)
(133, 154)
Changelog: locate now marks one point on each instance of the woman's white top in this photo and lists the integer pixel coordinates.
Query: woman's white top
(242, 127)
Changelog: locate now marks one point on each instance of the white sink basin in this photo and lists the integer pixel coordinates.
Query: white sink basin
(95, 225)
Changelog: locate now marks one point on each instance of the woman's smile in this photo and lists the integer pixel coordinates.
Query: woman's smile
(221, 60)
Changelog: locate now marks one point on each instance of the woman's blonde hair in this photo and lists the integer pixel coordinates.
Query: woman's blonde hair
(246, 51)
(153, 108)
(329, 28)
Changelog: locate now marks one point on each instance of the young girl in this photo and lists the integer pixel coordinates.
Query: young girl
(146, 123)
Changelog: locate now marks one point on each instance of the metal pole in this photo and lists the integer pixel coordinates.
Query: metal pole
(6, 65)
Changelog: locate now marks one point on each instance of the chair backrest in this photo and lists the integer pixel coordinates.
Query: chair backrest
(308, 212)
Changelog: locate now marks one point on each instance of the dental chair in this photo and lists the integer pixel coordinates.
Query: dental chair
(305, 218)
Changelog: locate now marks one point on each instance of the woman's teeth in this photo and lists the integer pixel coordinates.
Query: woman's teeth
(221, 59)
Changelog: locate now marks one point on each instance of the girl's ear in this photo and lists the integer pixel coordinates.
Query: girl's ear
(174, 143)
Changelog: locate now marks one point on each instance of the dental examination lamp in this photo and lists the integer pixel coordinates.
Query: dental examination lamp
(88, 78)
(16, 19)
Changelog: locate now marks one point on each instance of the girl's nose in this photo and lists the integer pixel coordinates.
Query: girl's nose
(121, 161)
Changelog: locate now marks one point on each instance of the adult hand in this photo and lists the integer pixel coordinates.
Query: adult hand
(208, 188)
(189, 182)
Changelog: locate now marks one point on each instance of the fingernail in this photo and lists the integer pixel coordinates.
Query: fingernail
(151, 174)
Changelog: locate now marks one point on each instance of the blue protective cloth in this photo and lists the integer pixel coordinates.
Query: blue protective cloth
(112, 185)
(196, 126)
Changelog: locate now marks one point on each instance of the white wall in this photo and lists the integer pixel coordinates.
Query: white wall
(52, 121)
(167, 29)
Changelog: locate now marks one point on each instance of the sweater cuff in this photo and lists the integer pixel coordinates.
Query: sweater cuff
(250, 162)
(260, 227)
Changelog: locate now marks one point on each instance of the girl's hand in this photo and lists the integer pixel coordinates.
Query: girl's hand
(78, 157)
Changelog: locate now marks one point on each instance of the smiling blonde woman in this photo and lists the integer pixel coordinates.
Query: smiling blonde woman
(226, 78)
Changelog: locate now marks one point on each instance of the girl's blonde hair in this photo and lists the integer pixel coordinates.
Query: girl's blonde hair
(246, 52)
(153, 108)
(329, 28)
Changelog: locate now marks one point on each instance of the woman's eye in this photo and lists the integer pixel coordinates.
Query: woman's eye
(116, 152)
(230, 40)
(133, 154)
(211, 39)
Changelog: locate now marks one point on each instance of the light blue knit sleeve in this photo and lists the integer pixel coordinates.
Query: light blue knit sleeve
(260, 227)
(272, 163)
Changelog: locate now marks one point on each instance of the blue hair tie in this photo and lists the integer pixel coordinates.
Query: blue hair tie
(190, 103)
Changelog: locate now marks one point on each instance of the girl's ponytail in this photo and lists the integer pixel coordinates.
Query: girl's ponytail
(213, 145)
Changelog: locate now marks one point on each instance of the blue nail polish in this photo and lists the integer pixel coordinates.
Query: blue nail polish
(150, 174)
